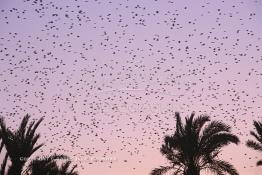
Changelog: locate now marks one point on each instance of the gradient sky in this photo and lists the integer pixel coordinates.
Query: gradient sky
(109, 75)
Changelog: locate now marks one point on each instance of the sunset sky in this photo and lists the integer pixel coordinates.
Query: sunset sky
(108, 76)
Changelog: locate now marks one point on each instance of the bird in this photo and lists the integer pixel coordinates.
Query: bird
(108, 76)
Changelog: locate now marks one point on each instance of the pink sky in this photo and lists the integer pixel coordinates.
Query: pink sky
(108, 76)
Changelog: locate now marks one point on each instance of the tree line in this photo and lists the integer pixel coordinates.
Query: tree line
(194, 146)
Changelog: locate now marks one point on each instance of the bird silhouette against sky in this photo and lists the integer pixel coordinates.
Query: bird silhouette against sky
(108, 76)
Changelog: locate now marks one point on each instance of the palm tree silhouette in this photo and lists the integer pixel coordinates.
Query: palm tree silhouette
(19, 144)
(195, 147)
(65, 169)
(256, 145)
(43, 165)
(48, 166)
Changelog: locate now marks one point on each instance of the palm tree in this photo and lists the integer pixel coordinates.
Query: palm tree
(66, 170)
(43, 165)
(19, 144)
(256, 145)
(195, 146)
(49, 166)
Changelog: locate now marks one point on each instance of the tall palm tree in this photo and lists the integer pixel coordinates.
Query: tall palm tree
(49, 166)
(20, 144)
(195, 146)
(256, 145)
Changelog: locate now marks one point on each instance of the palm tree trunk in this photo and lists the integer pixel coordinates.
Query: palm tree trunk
(192, 171)
(2, 170)
(15, 168)
(1, 146)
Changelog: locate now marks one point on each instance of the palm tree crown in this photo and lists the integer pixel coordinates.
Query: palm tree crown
(256, 145)
(48, 166)
(195, 146)
(20, 144)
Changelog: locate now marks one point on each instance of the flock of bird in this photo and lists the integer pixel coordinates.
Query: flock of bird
(109, 75)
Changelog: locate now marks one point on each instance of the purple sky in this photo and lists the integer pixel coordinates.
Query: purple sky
(109, 75)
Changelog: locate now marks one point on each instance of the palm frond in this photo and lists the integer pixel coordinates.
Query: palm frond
(257, 137)
(189, 124)
(179, 125)
(65, 169)
(169, 151)
(258, 126)
(225, 167)
(65, 166)
(44, 164)
(259, 163)
(73, 172)
(213, 128)
(161, 170)
(22, 128)
(31, 132)
(218, 141)
(199, 122)
(36, 148)
(214, 169)
(254, 145)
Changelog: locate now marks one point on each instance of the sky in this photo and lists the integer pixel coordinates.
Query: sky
(108, 76)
